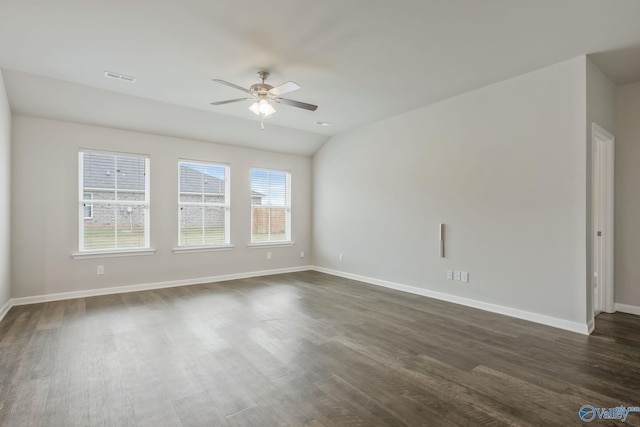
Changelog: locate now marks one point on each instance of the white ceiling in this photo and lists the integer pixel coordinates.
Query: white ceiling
(38, 96)
(359, 60)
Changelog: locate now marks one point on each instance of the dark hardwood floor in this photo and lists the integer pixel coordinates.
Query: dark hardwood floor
(304, 349)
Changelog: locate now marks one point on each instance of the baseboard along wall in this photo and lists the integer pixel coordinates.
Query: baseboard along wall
(568, 325)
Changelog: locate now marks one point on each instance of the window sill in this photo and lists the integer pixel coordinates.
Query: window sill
(270, 245)
(112, 254)
(191, 249)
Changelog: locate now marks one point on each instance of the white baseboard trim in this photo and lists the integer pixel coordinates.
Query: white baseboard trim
(494, 308)
(591, 326)
(581, 328)
(148, 286)
(629, 309)
(5, 308)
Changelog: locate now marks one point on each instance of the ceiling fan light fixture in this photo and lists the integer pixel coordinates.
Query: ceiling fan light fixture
(262, 108)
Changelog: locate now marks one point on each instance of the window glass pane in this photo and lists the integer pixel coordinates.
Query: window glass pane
(278, 223)
(130, 178)
(127, 195)
(191, 182)
(268, 224)
(214, 223)
(99, 231)
(130, 226)
(104, 194)
(99, 174)
(119, 180)
(191, 225)
(200, 186)
(278, 188)
(270, 206)
(214, 185)
(88, 207)
(259, 187)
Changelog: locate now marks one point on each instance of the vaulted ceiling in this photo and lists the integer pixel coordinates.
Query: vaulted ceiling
(359, 60)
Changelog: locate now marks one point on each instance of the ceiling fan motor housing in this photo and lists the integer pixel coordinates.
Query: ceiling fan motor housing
(260, 88)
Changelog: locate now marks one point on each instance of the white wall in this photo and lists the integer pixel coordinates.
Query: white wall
(627, 204)
(601, 92)
(5, 195)
(45, 213)
(504, 167)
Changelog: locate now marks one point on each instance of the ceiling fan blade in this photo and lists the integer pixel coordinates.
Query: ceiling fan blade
(230, 101)
(298, 104)
(284, 88)
(231, 85)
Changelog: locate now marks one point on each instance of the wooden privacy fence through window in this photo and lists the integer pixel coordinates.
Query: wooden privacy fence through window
(260, 220)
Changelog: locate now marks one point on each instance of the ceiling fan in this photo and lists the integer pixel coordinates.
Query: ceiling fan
(263, 95)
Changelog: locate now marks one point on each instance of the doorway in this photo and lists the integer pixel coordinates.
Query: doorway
(603, 210)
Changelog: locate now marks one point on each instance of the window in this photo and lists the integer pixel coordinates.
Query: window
(270, 206)
(114, 201)
(88, 207)
(203, 203)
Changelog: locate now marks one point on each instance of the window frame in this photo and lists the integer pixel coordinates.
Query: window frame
(146, 204)
(288, 238)
(226, 204)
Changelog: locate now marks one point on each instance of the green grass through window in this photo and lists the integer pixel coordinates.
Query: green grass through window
(104, 238)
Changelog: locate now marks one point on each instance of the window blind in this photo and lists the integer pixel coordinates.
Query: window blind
(203, 203)
(114, 201)
(270, 206)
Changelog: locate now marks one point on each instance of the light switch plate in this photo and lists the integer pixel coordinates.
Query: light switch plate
(450, 274)
(464, 276)
(456, 275)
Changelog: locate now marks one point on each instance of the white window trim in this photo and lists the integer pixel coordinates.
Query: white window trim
(146, 203)
(181, 248)
(206, 248)
(287, 241)
(276, 244)
(112, 253)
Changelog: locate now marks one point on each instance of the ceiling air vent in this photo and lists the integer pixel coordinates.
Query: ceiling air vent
(118, 76)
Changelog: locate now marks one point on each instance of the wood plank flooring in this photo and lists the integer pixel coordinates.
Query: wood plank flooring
(304, 349)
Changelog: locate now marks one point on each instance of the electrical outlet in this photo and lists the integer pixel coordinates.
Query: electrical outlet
(449, 274)
(464, 276)
(341, 258)
(268, 255)
(100, 270)
(456, 275)
(301, 254)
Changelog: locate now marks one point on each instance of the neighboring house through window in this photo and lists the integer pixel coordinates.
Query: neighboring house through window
(88, 207)
(114, 201)
(203, 203)
(270, 206)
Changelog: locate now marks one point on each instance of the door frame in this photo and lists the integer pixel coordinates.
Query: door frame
(603, 180)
